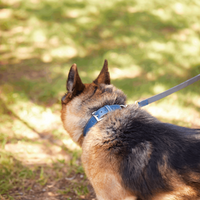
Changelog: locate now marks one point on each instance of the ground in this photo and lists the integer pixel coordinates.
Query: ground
(150, 46)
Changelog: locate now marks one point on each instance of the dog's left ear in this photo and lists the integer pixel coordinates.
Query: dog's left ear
(74, 84)
(104, 76)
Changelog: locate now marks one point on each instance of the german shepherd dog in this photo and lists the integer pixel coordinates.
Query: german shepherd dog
(129, 154)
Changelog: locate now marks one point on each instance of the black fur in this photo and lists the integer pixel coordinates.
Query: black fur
(143, 143)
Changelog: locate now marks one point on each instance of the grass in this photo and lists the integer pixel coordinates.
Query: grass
(151, 46)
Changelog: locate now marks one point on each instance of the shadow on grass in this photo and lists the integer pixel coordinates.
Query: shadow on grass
(77, 32)
(151, 46)
(62, 33)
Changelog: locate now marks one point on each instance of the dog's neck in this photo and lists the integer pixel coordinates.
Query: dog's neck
(75, 121)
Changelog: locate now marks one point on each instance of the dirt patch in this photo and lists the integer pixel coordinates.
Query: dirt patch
(55, 190)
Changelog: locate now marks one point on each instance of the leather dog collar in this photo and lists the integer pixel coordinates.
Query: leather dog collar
(97, 116)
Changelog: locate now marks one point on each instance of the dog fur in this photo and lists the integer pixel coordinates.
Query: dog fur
(130, 155)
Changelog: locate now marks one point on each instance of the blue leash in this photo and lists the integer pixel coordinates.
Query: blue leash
(168, 92)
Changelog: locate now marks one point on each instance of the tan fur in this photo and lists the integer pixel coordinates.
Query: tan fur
(180, 189)
(183, 192)
(72, 121)
(101, 168)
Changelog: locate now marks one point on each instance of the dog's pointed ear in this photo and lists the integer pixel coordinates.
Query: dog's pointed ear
(104, 76)
(74, 84)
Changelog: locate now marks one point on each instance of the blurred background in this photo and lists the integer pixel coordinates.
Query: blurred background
(150, 45)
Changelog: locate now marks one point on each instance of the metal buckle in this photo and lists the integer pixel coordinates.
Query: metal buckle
(137, 103)
(123, 106)
(96, 117)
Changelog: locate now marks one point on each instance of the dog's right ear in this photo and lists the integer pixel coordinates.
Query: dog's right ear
(104, 76)
(74, 84)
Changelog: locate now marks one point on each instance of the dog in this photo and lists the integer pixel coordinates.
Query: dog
(127, 153)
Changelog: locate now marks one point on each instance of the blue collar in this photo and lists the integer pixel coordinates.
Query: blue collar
(97, 116)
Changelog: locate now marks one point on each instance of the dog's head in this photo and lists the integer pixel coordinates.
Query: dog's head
(82, 99)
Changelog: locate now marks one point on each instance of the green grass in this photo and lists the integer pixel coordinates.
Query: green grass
(151, 46)
(12, 173)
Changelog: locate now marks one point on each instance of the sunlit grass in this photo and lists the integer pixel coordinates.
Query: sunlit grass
(151, 46)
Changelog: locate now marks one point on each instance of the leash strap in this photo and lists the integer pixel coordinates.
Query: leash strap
(168, 92)
(97, 116)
